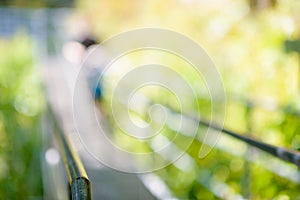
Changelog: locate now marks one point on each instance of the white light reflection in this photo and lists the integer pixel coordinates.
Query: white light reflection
(52, 156)
(156, 186)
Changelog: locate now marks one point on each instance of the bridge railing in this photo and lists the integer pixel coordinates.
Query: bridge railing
(278, 153)
(79, 183)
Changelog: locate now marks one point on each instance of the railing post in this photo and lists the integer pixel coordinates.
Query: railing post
(294, 46)
(246, 179)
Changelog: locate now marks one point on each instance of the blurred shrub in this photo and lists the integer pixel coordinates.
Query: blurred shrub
(20, 108)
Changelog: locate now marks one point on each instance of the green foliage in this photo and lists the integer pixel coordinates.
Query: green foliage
(261, 80)
(20, 107)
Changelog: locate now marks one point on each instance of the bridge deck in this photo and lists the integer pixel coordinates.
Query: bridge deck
(106, 183)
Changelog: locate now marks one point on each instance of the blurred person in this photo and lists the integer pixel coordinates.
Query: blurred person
(76, 52)
(93, 72)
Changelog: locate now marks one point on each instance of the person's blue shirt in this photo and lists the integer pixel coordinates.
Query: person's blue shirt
(94, 83)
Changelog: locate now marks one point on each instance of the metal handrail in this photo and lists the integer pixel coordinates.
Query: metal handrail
(279, 152)
(282, 153)
(80, 186)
